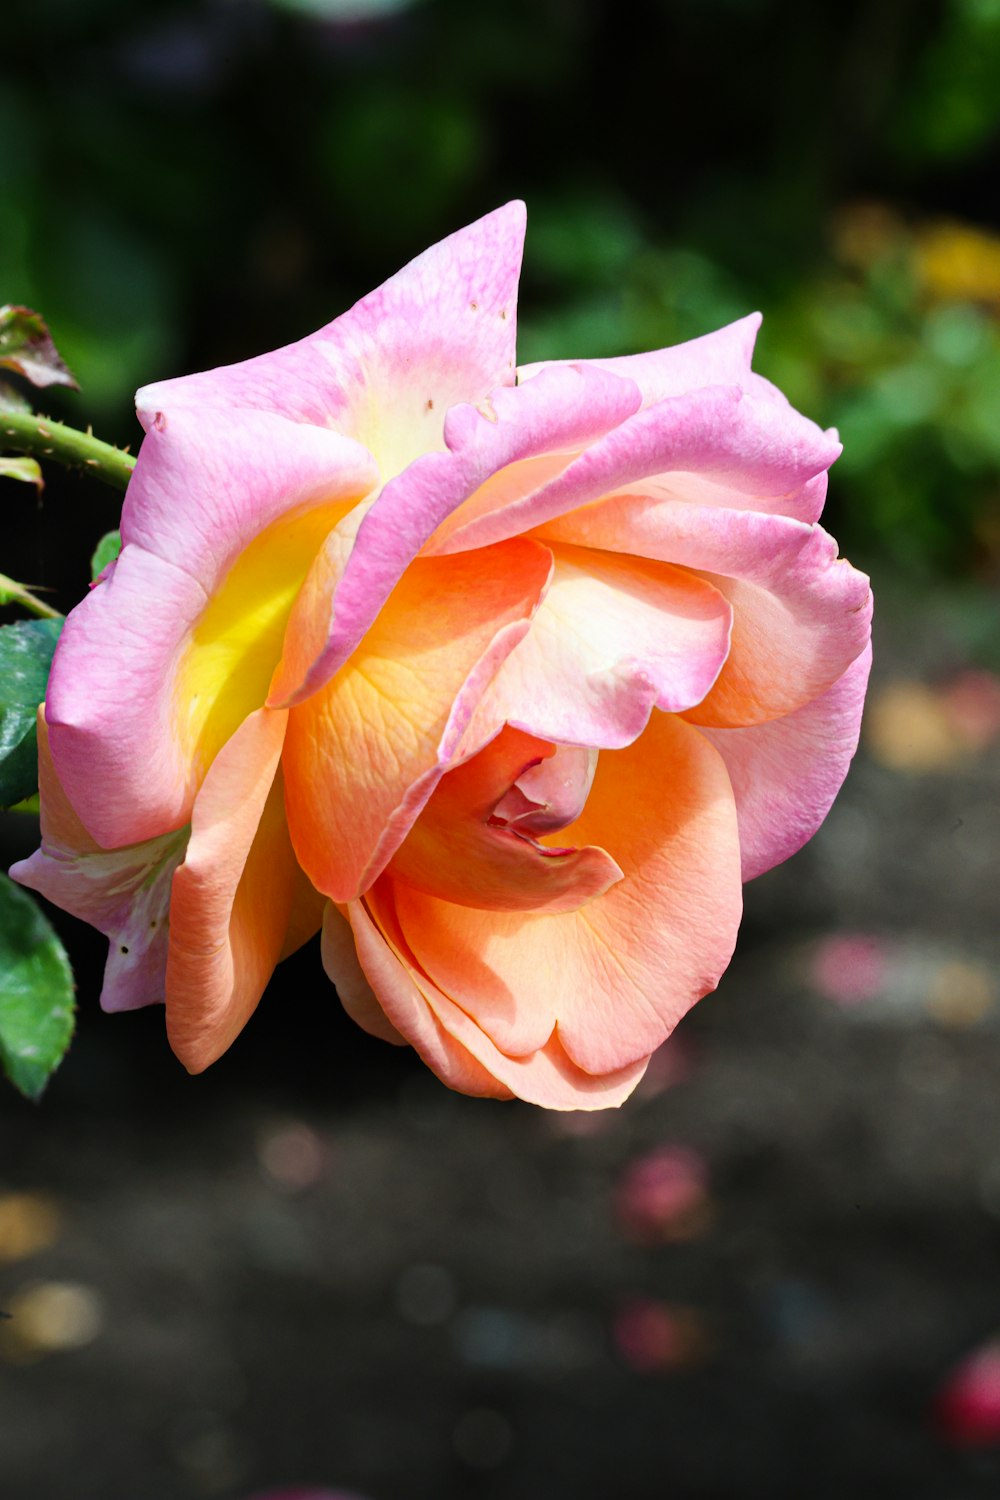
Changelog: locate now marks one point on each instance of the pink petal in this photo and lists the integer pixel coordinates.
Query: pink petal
(109, 704)
(786, 773)
(742, 448)
(124, 893)
(440, 331)
(205, 484)
(551, 794)
(206, 497)
(719, 358)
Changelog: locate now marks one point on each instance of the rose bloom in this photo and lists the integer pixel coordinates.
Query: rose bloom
(502, 679)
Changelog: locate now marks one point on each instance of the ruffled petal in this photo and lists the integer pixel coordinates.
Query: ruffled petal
(206, 483)
(458, 850)
(723, 445)
(440, 332)
(124, 893)
(718, 358)
(786, 773)
(614, 637)
(231, 904)
(364, 754)
(617, 975)
(801, 614)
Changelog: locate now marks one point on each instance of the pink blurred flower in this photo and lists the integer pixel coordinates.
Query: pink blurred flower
(652, 1336)
(850, 967)
(663, 1196)
(972, 703)
(967, 1407)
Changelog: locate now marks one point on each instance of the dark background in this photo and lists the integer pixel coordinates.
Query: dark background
(313, 1262)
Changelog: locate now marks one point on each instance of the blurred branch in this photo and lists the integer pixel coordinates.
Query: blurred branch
(24, 432)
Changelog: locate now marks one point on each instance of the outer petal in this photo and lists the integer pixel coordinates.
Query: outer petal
(206, 483)
(364, 754)
(340, 960)
(613, 637)
(460, 851)
(785, 774)
(232, 897)
(716, 359)
(451, 1042)
(210, 500)
(305, 918)
(124, 893)
(559, 411)
(440, 331)
(742, 447)
(617, 975)
(801, 614)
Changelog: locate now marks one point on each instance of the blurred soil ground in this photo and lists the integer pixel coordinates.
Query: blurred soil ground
(316, 1264)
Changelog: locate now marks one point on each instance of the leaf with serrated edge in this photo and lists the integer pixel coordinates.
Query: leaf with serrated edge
(25, 658)
(105, 552)
(26, 345)
(36, 993)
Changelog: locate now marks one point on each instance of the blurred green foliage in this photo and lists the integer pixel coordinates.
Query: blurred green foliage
(193, 181)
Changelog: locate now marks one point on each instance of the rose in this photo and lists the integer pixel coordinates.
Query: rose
(503, 681)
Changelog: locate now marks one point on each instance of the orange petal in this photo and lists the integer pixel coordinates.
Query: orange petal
(232, 897)
(451, 1042)
(456, 849)
(340, 960)
(801, 614)
(617, 975)
(364, 753)
(614, 636)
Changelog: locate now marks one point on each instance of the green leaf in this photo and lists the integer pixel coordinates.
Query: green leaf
(21, 468)
(36, 993)
(27, 347)
(105, 552)
(25, 658)
(30, 805)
